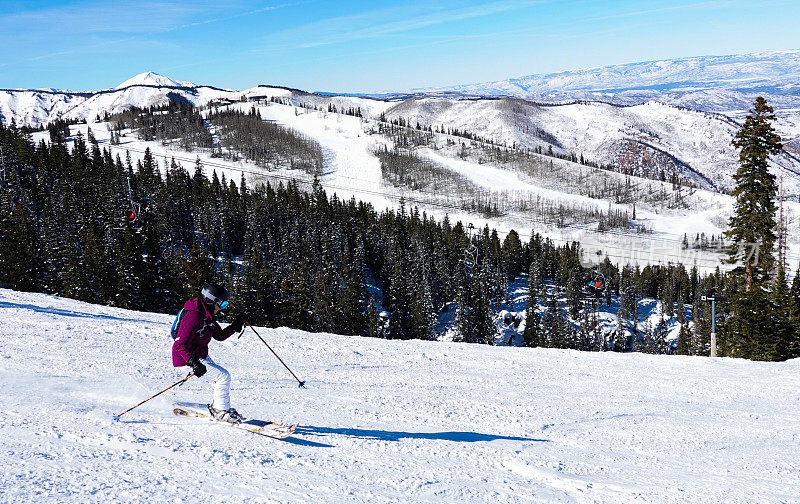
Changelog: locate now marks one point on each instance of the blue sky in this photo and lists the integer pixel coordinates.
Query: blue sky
(367, 46)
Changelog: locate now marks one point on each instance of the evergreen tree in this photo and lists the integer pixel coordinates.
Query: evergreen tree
(296, 299)
(575, 282)
(748, 332)
(197, 272)
(532, 335)
(96, 290)
(463, 316)
(683, 340)
(760, 326)
(423, 313)
(20, 262)
(254, 289)
(352, 298)
(794, 310)
(753, 220)
(656, 344)
(399, 291)
(701, 337)
(374, 322)
(129, 276)
(482, 323)
(512, 255)
(554, 323)
(780, 341)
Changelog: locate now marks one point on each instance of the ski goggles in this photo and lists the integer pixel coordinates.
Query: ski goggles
(219, 302)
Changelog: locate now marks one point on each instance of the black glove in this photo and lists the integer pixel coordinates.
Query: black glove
(238, 322)
(198, 368)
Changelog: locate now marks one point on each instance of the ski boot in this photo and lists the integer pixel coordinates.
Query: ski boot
(229, 415)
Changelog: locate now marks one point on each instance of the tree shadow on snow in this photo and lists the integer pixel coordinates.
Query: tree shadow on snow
(68, 313)
(382, 435)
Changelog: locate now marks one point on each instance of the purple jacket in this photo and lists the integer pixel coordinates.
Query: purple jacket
(195, 331)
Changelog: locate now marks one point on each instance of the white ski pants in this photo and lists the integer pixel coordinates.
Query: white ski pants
(221, 379)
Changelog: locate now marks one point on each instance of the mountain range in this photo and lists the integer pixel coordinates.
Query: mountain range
(710, 83)
(642, 118)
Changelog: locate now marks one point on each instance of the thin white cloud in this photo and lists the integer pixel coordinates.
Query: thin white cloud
(261, 10)
(645, 12)
(384, 22)
(137, 17)
(97, 17)
(549, 32)
(127, 44)
(96, 27)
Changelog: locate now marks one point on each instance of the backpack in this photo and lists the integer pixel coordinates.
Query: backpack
(175, 325)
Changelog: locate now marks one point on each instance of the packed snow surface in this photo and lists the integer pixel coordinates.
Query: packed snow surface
(381, 421)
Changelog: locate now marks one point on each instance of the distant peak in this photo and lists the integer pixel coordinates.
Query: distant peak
(153, 79)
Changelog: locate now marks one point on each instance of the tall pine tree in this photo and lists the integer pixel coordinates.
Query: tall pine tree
(753, 219)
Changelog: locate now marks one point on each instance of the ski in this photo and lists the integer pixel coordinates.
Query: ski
(262, 427)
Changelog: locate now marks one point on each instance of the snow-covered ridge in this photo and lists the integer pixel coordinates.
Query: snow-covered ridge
(36, 107)
(769, 72)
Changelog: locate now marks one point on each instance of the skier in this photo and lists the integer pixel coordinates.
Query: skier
(198, 324)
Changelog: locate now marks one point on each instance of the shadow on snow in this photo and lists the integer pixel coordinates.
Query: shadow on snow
(69, 313)
(382, 435)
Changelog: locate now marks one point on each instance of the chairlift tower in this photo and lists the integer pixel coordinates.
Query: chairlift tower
(594, 290)
(471, 252)
(136, 207)
(713, 300)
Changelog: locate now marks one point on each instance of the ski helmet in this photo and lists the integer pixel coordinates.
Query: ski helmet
(215, 294)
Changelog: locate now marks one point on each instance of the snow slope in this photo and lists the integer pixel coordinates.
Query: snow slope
(697, 144)
(381, 421)
(350, 169)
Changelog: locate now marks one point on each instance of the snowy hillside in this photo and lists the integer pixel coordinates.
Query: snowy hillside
(381, 421)
(351, 169)
(720, 84)
(651, 135)
(647, 139)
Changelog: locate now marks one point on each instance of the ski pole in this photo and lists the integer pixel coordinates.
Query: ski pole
(302, 383)
(116, 417)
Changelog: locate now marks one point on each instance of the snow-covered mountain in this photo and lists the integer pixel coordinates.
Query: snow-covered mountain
(670, 127)
(718, 84)
(711, 83)
(380, 421)
(154, 79)
(36, 107)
